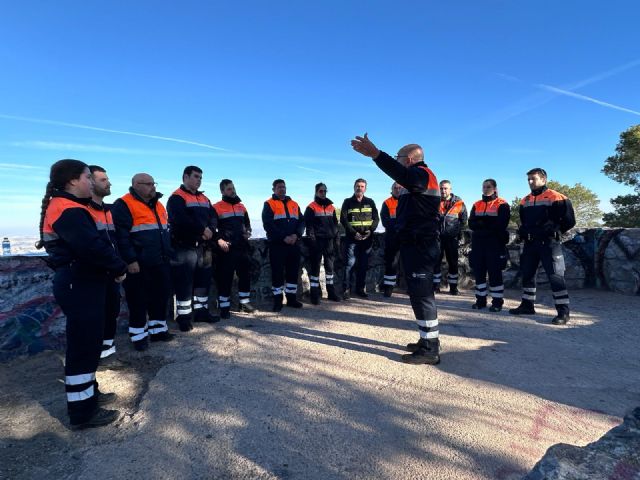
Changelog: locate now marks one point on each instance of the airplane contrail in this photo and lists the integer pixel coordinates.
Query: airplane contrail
(585, 98)
(121, 132)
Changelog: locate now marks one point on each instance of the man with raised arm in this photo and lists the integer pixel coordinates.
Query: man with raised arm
(417, 226)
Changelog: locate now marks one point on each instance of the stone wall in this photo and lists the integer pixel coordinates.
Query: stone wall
(30, 320)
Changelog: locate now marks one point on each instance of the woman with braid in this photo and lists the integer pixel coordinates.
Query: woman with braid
(84, 264)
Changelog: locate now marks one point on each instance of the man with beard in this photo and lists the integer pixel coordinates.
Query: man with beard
(234, 230)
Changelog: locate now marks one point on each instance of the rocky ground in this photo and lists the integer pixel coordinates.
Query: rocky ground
(320, 393)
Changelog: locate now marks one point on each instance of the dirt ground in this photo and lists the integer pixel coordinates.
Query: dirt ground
(320, 393)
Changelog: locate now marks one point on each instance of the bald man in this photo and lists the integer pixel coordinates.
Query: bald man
(418, 234)
(144, 243)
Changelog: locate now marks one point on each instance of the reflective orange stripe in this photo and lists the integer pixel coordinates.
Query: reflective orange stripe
(433, 189)
(453, 211)
(546, 198)
(192, 200)
(277, 207)
(320, 211)
(488, 209)
(103, 219)
(143, 216)
(392, 205)
(226, 210)
(56, 207)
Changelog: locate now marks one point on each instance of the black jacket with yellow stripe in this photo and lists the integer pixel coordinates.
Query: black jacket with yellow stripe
(359, 216)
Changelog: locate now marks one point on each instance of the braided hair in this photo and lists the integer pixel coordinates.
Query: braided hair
(62, 172)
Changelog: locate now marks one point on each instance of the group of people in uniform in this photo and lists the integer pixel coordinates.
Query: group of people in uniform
(153, 251)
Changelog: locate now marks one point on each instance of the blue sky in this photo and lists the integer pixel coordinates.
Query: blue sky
(257, 90)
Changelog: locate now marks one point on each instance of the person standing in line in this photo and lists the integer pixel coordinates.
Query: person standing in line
(284, 224)
(101, 213)
(142, 231)
(322, 230)
(234, 231)
(544, 215)
(418, 232)
(192, 226)
(84, 263)
(391, 247)
(359, 217)
(488, 222)
(453, 217)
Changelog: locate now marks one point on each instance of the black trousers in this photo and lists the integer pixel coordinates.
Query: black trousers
(321, 248)
(112, 311)
(488, 256)
(391, 249)
(191, 273)
(418, 260)
(356, 262)
(448, 249)
(147, 293)
(82, 300)
(549, 252)
(285, 263)
(236, 260)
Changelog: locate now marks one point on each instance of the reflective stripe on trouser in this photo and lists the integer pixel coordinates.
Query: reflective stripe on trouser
(486, 258)
(389, 280)
(244, 297)
(448, 250)
(452, 279)
(437, 278)
(80, 387)
(314, 281)
(157, 326)
(481, 290)
(285, 263)
(183, 307)
(82, 301)
(235, 261)
(418, 263)
(138, 333)
(391, 249)
(277, 290)
(223, 302)
(200, 302)
(147, 294)
(108, 348)
(549, 253)
(191, 274)
(323, 248)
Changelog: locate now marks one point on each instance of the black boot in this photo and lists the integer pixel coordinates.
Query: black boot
(141, 345)
(277, 302)
(480, 304)
(436, 288)
(525, 308)
(292, 301)
(496, 305)
(247, 308)
(346, 294)
(314, 295)
(453, 289)
(205, 316)
(412, 347)
(99, 418)
(561, 318)
(331, 293)
(387, 291)
(162, 337)
(184, 322)
(427, 352)
(225, 313)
